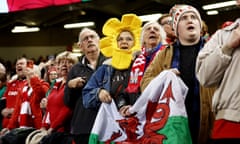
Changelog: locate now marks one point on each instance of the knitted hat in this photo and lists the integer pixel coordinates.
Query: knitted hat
(178, 10)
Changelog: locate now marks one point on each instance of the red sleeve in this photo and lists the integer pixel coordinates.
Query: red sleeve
(13, 122)
(64, 114)
(44, 121)
(39, 87)
(7, 89)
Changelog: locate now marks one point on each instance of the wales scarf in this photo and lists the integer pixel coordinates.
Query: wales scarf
(139, 66)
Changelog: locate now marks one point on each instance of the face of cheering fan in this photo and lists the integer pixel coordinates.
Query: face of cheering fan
(125, 40)
(89, 43)
(64, 66)
(21, 64)
(151, 35)
(189, 28)
(166, 23)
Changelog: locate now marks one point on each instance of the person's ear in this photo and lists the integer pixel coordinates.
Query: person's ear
(79, 45)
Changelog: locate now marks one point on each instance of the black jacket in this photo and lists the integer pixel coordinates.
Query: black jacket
(83, 119)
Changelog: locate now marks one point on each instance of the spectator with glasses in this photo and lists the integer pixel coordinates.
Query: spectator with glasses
(82, 119)
(110, 81)
(166, 22)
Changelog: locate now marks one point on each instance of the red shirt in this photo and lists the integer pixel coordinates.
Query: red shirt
(58, 115)
(39, 89)
(223, 129)
(13, 89)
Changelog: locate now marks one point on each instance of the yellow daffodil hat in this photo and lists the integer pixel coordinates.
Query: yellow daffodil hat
(121, 59)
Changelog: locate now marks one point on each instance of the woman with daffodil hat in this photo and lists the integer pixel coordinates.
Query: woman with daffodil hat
(110, 80)
(110, 45)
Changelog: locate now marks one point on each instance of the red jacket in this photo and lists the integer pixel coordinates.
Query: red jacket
(13, 89)
(57, 114)
(39, 89)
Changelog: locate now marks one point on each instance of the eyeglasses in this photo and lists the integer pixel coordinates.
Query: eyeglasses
(88, 37)
(169, 22)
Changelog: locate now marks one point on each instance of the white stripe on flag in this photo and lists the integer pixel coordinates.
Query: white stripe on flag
(106, 123)
(158, 86)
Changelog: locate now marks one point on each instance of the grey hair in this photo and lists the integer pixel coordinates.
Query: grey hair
(67, 55)
(36, 70)
(83, 31)
(2, 68)
(162, 32)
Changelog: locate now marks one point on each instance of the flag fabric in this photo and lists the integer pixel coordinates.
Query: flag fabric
(17, 5)
(158, 116)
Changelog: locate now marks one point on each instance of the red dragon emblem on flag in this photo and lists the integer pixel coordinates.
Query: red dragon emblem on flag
(155, 110)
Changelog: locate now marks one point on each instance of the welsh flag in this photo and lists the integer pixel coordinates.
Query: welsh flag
(159, 116)
(17, 5)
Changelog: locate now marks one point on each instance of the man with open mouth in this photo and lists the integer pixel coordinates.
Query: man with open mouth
(180, 57)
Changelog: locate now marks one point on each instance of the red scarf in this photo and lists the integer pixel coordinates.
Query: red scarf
(25, 116)
(137, 71)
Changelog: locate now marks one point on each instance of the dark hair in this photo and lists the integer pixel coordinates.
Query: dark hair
(20, 58)
(162, 17)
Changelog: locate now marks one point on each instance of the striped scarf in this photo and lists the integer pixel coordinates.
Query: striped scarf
(139, 66)
(26, 117)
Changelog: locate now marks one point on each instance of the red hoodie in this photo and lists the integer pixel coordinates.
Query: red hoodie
(29, 98)
(57, 113)
(13, 89)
